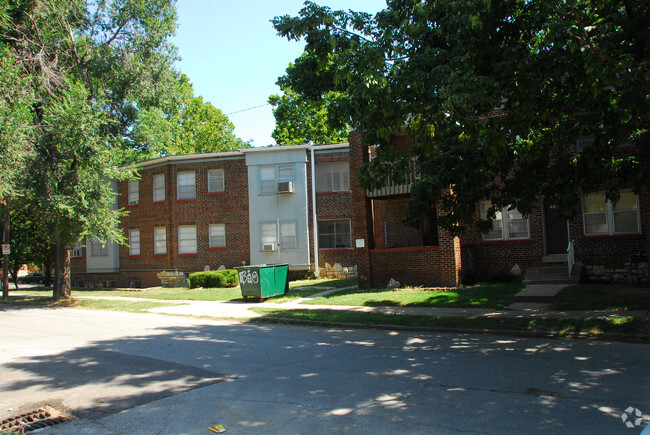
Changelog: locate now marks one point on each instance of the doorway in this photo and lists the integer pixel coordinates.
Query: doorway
(555, 229)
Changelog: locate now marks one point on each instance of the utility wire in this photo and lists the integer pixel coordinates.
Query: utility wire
(246, 110)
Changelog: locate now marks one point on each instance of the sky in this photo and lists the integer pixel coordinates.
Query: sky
(233, 55)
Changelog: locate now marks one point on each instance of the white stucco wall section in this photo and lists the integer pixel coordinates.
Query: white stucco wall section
(279, 207)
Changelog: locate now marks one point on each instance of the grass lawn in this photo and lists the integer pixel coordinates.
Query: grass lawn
(590, 327)
(483, 296)
(602, 297)
(297, 289)
(134, 306)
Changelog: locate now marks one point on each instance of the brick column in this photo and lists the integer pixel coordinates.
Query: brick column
(361, 211)
(450, 261)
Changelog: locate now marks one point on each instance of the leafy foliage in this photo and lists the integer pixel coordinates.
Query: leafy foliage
(497, 94)
(300, 120)
(214, 279)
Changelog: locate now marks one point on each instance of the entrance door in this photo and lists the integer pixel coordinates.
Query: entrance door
(557, 238)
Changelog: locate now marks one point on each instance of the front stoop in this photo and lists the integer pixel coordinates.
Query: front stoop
(551, 274)
(543, 283)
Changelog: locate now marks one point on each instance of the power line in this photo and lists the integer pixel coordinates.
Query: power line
(246, 110)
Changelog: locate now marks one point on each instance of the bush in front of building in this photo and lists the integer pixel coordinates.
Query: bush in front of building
(213, 279)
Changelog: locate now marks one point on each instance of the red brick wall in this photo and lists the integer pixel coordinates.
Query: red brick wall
(409, 266)
(410, 263)
(229, 208)
(331, 205)
(388, 227)
(361, 211)
(496, 257)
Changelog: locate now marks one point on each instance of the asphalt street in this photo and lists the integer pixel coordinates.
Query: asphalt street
(147, 373)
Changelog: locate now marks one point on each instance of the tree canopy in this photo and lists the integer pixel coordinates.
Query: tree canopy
(497, 94)
(300, 120)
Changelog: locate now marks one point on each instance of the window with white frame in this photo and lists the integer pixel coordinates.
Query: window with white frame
(216, 181)
(159, 241)
(604, 217)
(269, 234)
(267, 179)
(288, 236)
(270, 176)
(217, 236)
(159, 188)
(334, 234)
(506, 225)
(187, 239)
(134, 242)
(98, 248)
(134, 192)
(332, 177)
(77, 251)
(186, 186)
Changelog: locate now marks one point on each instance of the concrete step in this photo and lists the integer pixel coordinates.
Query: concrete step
(556, 274)
(538, 293)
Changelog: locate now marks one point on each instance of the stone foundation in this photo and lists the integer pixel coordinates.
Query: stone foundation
(337, 271)
(172, 279)
(629, 273)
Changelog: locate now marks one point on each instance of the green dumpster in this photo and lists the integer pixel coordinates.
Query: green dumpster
(263, 281)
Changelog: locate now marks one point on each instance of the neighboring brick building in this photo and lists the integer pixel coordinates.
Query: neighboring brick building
(252, 206)
(256, 206)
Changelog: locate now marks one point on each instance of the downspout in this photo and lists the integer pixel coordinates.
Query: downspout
(313, 209)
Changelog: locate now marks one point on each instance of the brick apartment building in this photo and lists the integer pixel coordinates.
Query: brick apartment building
(256, 206)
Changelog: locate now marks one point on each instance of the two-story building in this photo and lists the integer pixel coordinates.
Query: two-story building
(303, 205)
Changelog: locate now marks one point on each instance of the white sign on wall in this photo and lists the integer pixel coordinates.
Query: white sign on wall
(360, 243)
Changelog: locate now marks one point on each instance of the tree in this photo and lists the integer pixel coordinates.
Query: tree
(496, 92)
(300, 120)
(91, 68)
(199, 127)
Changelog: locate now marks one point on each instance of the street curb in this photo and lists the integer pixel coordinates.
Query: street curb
(503, 332)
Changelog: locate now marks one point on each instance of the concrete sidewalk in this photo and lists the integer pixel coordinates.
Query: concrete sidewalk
(242, 310)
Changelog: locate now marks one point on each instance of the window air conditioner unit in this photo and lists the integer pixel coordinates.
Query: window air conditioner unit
(268, 247)
(285, 187)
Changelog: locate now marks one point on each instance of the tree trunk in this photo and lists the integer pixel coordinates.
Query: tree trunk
(61, 288)
(5, 258)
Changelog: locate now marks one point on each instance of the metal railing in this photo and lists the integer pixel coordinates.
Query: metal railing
(393, 188)
(570, 256)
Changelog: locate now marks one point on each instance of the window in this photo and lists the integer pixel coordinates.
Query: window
(270, 176)
(134, 242)
(218, 236)
(187, 239)
(76, 252)
(159, 188)
(285, 173)
(506, 225)
(134, 192)
(288, 235)
(288, 240)
(216, 181)
(332, 177)
(603, 217)
(334, 234)
(159, 241)
(267, 179)
(98, 248)
(186, 185)
(269, 233)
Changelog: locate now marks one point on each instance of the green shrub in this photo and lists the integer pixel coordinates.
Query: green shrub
(214, 279)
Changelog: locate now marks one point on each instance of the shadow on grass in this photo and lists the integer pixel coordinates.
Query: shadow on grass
(626, 327)
(602, 297)
(494, 296)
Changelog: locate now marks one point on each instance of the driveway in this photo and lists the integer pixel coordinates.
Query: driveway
(149, 373)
